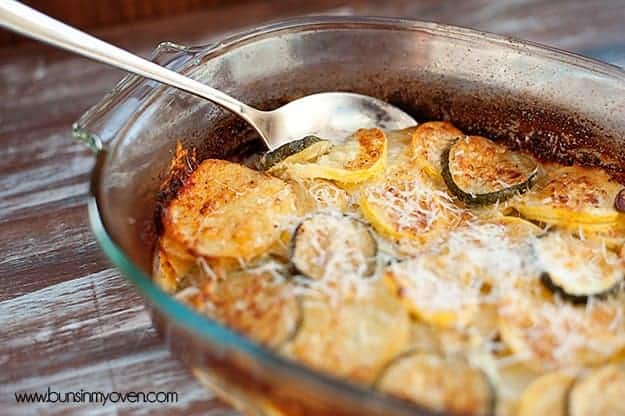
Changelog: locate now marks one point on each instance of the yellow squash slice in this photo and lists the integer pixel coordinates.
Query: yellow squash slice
(433, 297)
(355, 338)
(429, 141)
(547, 395)
(573, 197)
(599, 393)
(228, 210)
(358, 159)
(444, 384)
(406, 205)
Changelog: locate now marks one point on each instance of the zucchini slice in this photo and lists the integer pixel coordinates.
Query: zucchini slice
(546, 333)
(327, 244)
(361, 157)
(258, 304)
(406, 205)
(444, 384)
(429, 141)
(354, 338)
(578, 269)
(573, 197)
(216, 213)
(299, 151)
(481, 172)
(547, 395)
(599, 393)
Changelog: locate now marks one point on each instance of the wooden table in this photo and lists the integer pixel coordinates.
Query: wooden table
(68, 320)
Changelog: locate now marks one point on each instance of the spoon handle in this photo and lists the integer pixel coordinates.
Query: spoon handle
(29, 22)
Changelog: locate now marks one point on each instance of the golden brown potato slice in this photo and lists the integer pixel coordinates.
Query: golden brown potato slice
(441, 383)
(602, 392)
(429, 141)
(547, 395)
(163, 274)
(358, 159)
(320, 195)
(574, 197)
(546, 332)
(228, 210)
(355, 337)
(258, 304)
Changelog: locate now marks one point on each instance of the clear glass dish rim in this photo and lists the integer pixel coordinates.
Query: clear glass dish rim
(220, 336)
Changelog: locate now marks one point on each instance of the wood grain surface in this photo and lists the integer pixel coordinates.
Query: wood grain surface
(68, 320)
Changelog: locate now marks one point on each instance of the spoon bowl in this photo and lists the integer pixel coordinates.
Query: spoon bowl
(330, 115)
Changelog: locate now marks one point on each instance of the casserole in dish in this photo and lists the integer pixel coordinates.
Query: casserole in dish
(559, 106)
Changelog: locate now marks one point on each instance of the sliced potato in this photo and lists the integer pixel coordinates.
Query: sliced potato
(440, 383)
(547, 395)
(228, 210)
(547, 333)
(334, 245)
(163, 274)
(512, 379)
(601, 392)
(406, 205)
(320, 195)
(357, 160)
(355, 338)
(574, 197)
(429, 140)
(578, 269)
(481, 172)
(256, 303)
(399, 147)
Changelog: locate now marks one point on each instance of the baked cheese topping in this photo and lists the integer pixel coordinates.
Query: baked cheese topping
(470, 283)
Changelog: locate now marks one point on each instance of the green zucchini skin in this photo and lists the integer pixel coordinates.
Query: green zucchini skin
(297, 234)
(270, 159)
(557, 289)
(486, 198)
(545, 279)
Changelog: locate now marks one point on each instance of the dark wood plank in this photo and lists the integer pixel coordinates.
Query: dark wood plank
(70, 321)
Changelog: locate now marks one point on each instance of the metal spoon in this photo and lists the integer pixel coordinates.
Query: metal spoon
(321, 114)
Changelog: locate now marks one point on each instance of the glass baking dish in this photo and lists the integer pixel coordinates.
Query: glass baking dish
(563, 106)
